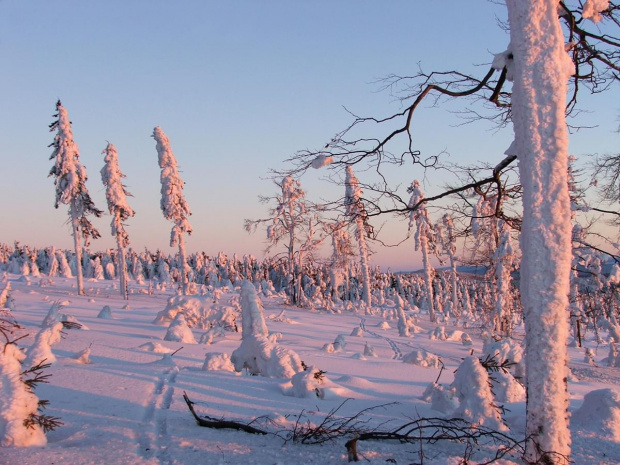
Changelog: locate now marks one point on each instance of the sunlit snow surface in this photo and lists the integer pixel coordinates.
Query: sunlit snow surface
(126, 405)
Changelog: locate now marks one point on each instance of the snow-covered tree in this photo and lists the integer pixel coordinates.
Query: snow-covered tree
(116, 195)
(504, 260)
(356, 211)
(290, 220)
(448, 241)
(424, 241)
(70, 181)
(173, 203)
(540, 68)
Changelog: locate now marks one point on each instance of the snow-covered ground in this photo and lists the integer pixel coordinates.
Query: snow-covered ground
(126, 406)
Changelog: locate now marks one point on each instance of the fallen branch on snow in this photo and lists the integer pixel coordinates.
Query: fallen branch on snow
(209, 422)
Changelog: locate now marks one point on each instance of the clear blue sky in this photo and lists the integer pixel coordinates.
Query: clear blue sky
(238, 86)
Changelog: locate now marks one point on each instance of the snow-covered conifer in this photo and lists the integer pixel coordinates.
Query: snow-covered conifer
(70, 181)
(356, 211)
(116, 195)
(173, 203)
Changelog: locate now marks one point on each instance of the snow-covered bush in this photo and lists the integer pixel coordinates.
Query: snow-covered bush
(179, 331)
(257, 353)
(200, 312)
(476, 402)
(438, 334)
(506, 349)
(422, 358)
(41, 350)
(441, 398)
(308, 383)
(216, 361)
(21, 420)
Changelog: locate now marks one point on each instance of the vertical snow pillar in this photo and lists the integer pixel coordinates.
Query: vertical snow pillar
(541, 68)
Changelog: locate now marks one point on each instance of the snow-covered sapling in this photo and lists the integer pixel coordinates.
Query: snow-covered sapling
(116, 195)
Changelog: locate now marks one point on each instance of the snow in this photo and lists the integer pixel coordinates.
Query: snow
(541, 69)
(592, 9)
(126, 405)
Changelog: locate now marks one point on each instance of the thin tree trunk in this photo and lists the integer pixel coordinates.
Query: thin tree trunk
(75, 226)
(361, 240)
(122, 268)
(428, 278)
(183, 264)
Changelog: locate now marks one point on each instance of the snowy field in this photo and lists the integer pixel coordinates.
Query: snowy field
(125, 406)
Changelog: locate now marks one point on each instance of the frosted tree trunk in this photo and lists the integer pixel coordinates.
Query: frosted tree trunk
(361, 240)
(541, 70)
(428, 278)
(122, 268)
(183, 265)
(75, 226)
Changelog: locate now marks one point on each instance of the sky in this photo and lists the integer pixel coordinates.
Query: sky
(238, 87)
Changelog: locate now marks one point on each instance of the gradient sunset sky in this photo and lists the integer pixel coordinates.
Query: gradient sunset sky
(238, 86)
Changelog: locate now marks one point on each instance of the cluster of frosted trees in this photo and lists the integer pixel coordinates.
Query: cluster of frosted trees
(70, 182)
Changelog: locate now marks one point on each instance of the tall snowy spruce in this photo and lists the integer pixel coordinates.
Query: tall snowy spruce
(116, 195)
(70, 181)
(356, 211)
(173, 203)
(541, 68)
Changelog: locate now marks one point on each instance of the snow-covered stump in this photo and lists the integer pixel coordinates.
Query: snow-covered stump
(258, 354)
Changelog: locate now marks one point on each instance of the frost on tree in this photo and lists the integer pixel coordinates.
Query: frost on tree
(356, 211)
(70, 181)
(173, 203)
(258, 353)
(116, 195)
(540, 68)
(424, 241)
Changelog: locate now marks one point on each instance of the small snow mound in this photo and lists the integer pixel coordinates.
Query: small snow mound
(358, 356)
(383, 325)
(369, 351)
(217, 361)
(421, 358)
(105, 313)
(83, 356)
(166, 360)
(155, 347)
(357, 332)
(600, 412)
